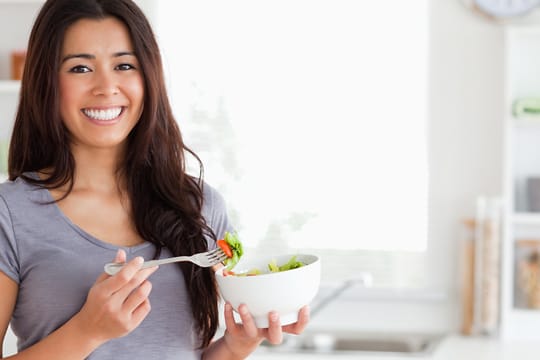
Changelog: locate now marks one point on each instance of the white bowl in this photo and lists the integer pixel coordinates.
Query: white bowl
(284, 292)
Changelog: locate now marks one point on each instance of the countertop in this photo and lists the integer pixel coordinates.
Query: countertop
(451, 348)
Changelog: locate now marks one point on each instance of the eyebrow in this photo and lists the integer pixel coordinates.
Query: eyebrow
(91, 57)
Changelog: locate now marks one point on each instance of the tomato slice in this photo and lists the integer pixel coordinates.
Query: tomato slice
(225, 247)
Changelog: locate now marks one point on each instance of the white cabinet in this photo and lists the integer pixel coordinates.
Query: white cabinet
(16, 19)
(520, 313)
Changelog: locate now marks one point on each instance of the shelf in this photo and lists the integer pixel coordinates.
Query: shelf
(526, 218)
(523, 324)
(526, 120)
(9, 86)
(21, 2)
(520, 161)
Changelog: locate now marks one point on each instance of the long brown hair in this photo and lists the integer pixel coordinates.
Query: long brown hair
(166, 201)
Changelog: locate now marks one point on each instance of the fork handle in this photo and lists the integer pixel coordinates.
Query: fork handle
(113, 268)
(151, 263)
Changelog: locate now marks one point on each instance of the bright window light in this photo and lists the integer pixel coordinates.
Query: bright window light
(310, 116)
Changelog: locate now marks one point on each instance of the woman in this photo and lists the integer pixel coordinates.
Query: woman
(97, 172)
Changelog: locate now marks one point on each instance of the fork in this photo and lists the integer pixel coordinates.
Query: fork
(204, 259)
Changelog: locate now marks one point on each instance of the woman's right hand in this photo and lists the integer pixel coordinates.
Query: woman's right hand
(117, 304)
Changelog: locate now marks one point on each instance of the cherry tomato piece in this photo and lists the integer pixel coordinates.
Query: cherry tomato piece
(225, 247)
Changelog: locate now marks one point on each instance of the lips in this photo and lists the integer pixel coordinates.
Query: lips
(103, 114)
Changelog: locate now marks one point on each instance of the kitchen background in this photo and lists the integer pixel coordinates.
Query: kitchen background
(451, 113)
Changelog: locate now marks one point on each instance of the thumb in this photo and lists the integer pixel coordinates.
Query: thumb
(120, 257)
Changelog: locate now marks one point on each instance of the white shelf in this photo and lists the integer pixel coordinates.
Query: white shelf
(526, 120)
(526, 218)
(17, 2)
(521, 159)
(9, 86)
(522, 324)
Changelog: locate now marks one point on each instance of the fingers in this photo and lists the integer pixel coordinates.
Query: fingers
(134, 283)
(116, 282)
(230, 323)
(137, 297)
(117, 304)
(250, 328)
(247, 328)
(300, 324)
(140, 312)
(119, 257)
(275, 332)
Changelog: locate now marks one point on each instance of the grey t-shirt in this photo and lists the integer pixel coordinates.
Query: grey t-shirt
(55, 263)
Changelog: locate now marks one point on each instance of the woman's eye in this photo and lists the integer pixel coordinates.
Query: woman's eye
(124, 67)
(79, 69)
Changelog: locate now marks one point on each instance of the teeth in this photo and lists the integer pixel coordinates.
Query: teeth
(107, 114)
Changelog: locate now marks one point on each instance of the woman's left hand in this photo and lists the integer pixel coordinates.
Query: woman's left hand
(242, 339)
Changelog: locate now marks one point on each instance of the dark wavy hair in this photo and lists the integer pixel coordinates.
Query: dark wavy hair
(166, 201)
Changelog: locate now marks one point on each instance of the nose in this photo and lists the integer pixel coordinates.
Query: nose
(105, 84)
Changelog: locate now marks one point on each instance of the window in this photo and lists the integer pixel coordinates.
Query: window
(310, 118)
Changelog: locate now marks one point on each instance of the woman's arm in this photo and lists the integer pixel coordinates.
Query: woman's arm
(68, 342)
(64, 340)
(9, 290)
(240, 340)
(114, 307)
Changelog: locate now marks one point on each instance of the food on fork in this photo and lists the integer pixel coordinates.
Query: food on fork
(232, 247)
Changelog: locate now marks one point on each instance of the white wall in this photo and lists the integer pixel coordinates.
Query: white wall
(466, 116)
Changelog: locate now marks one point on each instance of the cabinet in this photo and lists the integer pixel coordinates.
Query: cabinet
(520, 299)
(16, 18)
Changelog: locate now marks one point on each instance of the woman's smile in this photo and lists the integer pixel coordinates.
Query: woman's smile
(103, 114)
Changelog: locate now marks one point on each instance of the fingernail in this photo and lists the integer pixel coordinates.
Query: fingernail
(139, 260)
(243, 310)
(273, 316)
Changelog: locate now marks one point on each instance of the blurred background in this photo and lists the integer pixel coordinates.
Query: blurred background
(394, 139)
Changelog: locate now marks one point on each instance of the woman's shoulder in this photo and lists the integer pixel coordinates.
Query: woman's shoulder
(17, 189)
(7, 185)
(212, 198)
(215, 210)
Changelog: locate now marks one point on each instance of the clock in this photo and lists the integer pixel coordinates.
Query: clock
(505, 8)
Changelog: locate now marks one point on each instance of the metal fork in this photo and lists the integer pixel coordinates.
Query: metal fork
(205, 259)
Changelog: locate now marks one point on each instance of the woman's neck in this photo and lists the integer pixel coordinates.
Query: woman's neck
(97, 170)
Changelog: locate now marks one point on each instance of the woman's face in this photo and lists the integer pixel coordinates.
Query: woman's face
(101, 84)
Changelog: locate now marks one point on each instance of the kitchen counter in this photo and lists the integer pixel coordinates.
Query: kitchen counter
(451, 348)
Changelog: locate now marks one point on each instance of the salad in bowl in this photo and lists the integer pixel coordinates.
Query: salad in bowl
(265, 283)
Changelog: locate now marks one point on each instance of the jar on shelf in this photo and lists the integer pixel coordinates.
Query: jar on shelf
(18, 58)
(529, 276)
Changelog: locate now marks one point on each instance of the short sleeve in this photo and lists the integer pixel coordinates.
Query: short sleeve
(215, 213)
(9, 257)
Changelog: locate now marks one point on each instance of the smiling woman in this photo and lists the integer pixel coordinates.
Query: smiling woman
(97, 173)
(311, 119)
(100, 85)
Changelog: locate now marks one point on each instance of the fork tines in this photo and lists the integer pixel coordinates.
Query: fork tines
(217, 255)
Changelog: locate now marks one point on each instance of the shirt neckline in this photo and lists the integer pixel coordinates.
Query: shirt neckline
(81, 231)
